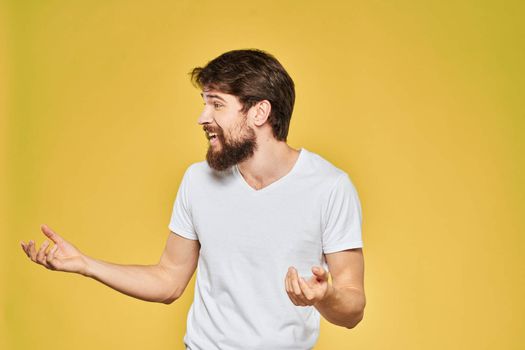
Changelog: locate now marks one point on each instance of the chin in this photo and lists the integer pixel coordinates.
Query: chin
(214, 149)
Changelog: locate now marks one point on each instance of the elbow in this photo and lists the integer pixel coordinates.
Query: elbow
(357, 319)
(169, 300)
(354, 323)
(174, 296)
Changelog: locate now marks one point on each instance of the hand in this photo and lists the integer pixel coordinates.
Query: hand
(62, 257)
(306, 293)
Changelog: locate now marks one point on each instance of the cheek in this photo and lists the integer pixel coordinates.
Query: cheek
(223, 121)
(231, 125)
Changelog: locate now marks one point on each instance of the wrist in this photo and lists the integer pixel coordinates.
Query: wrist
(88, 264)
(330, 290)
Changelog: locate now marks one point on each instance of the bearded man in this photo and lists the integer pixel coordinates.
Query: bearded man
(264, 224)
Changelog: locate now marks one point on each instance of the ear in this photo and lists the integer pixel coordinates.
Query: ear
(262, 112)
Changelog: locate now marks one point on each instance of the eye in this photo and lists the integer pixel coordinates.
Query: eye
(217, 105)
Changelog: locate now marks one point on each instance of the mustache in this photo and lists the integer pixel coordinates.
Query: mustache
(210, 129)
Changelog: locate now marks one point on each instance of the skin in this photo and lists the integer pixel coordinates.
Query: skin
(272, 160)
(341, 302)
(163, 282)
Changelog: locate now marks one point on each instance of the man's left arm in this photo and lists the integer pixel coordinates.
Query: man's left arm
(345, 301)
(342, 302)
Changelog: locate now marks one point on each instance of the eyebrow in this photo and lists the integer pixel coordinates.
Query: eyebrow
(216, 96)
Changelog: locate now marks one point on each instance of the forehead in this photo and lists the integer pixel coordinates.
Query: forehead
(209, 93)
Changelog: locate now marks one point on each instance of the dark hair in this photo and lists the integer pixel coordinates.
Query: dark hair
(252, 75)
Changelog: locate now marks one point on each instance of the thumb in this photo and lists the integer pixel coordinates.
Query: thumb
(51, 234)
(320, 273)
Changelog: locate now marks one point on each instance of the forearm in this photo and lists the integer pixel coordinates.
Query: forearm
(145, 282)
(343, 306)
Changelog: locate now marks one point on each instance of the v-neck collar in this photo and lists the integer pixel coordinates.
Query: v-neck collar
(274, 184)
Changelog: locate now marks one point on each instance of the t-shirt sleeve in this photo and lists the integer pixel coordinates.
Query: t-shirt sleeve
(181, 221)
(342, 219)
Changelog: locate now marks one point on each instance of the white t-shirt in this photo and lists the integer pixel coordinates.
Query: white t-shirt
(248, 240)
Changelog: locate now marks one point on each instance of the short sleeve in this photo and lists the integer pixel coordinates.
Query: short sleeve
(342, 217)
(181, 221)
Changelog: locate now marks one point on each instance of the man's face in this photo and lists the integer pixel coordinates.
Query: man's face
(231, 139)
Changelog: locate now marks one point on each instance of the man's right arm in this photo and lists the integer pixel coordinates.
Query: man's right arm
(163, 282)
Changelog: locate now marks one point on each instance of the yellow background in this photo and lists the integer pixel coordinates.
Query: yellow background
(421, 102)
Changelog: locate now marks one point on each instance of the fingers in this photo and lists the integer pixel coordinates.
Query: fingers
(289, 289)
(320, 273)
(295, 283)
(51, 234)
(32, 251)
(24, 248)
(293, 289)
(50, 258)
(28, 248)
(41, 257)
(307, 292)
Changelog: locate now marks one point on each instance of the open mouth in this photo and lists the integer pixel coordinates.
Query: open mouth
(212, 137)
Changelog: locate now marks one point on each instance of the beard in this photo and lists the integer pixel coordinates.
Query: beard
(231, 152)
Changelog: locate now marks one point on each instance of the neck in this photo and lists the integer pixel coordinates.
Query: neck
(272, 160)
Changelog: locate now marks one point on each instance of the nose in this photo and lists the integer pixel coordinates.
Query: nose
(205, 117)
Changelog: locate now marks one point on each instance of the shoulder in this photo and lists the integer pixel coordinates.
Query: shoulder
(319, 167)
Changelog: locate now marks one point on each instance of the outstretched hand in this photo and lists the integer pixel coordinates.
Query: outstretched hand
(62, 257)
(307, 292)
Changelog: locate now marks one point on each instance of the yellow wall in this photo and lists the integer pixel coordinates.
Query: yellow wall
(3, 180)
(421, 102)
